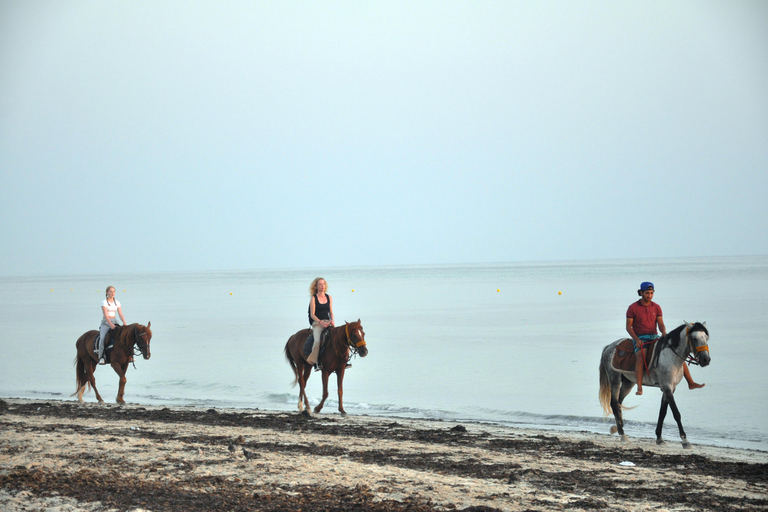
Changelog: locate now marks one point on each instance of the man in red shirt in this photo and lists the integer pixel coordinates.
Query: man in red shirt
(642, 318)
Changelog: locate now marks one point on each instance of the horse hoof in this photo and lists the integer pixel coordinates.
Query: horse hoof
(306, 413)
(624, 439)
(687, 445)
(660, 442)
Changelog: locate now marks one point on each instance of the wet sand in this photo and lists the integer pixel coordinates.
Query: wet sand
(62, 456)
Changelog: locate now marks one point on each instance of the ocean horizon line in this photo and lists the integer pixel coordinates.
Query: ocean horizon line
(405, 266)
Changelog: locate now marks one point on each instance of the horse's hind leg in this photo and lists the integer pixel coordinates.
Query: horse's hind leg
(90, 367)
(303, 371)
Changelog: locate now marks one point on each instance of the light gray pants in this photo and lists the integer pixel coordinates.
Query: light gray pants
(317, 332)
(103, 330)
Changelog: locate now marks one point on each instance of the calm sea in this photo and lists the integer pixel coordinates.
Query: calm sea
(516, 344)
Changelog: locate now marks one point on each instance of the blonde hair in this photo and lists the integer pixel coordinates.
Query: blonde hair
(313, 286)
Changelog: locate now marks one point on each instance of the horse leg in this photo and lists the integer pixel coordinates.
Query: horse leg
(616, 405)
(304, 371)
(319, 406)
(120, 371)
(662, 415)
(90, 367)
(81, 377)
(670, 398)
(339, 381)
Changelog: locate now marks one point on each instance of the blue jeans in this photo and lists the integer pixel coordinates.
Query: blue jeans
(644, 337)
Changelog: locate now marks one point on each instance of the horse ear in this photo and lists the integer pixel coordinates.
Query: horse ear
(704, 324)
(149, 324)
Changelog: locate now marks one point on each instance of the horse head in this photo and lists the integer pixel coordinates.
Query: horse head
(143, 335)
(356, 337)
(698, 336)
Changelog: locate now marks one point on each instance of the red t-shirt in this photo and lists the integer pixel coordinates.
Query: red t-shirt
(644, 317)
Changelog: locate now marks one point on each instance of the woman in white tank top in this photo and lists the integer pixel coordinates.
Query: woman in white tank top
(110, 307)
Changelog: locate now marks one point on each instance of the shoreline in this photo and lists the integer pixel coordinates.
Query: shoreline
(61, 455)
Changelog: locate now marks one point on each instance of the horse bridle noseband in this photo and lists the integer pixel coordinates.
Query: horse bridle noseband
(354, 346)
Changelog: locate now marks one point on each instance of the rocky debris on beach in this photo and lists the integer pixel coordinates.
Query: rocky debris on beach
(65, 456)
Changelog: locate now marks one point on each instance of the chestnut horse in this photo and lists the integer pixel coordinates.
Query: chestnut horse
(128, 338)
(341, 340)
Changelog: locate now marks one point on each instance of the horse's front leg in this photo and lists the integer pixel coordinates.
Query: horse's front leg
(666, 394)
(669, 394)
(339, 381)
(120, 371)
(319, 406)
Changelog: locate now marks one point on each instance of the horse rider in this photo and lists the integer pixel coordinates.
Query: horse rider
(642, 318)
(320, 316)
(109, 308)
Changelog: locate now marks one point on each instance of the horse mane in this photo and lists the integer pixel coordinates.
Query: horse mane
(340, 341)
(674, 336)
(123, 336)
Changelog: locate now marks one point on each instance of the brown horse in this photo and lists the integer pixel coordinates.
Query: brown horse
(127, 338)
(341, 340)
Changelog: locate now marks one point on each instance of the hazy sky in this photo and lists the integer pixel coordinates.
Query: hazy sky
(152, 136)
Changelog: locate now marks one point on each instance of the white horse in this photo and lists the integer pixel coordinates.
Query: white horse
(665, 371)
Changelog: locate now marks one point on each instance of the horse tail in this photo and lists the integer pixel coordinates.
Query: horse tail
(80, 375)
(605, 389)
(291, 362)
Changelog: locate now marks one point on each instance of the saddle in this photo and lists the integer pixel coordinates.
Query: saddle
(624, 355)
(109, 343)
(311, 341)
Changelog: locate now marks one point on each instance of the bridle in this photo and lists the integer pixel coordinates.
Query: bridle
(352, 345)
(138, 339)
(691, 359)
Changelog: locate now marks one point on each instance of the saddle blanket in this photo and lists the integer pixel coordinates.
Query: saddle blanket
(311, 340)
(624, 355)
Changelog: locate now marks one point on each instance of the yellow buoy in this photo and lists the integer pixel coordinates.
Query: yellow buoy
(123, 290)
(497, 290)
(559, 293)
(230, 293)
(51, 290)
(353, 290)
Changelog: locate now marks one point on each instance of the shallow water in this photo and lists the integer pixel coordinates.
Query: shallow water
(479, 342)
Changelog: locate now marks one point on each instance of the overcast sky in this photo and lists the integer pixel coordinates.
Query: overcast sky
(164, 136)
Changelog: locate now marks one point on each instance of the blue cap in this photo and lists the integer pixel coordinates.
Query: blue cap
(646, 286)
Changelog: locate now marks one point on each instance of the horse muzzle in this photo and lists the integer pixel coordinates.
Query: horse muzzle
(703, 358)
(362, 351)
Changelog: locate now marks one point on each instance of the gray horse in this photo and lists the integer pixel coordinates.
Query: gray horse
(665, 371)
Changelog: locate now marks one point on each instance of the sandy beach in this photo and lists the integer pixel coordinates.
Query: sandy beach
(62, 456)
